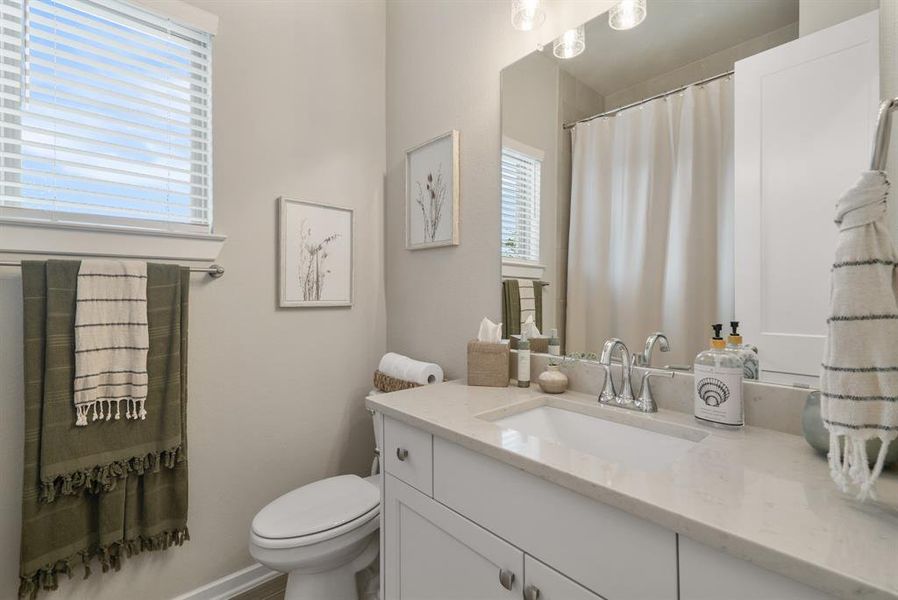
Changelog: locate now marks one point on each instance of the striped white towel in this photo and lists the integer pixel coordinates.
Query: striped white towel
(528, 299)
(111, 340)
(859, 381)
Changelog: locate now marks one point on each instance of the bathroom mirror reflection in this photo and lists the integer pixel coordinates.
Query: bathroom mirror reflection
(630, 172)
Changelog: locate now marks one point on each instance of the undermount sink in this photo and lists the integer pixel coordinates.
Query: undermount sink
(648, 445)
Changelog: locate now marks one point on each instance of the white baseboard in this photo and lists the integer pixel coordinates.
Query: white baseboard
(231, 585)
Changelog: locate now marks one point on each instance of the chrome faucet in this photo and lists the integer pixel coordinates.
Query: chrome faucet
(609, 394)
(645, 359)
(644, 402)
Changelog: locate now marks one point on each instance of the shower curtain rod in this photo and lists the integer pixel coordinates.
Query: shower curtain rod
(613, 112)
(213, 271)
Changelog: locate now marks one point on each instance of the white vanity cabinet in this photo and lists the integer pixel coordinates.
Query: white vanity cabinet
(460, 525)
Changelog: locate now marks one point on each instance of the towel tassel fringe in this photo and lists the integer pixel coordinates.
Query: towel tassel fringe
(110, 556)
(104, 478)
(849, 464)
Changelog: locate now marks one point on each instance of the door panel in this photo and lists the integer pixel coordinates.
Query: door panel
(706, 574)
(805, 115)
(433, 553)
(541, 582)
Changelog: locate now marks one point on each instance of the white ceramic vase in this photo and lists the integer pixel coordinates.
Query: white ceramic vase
(552, 380)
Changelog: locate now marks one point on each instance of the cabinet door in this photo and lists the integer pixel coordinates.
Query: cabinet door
(707, 574)
(805, 115)
(544, 583)
(434, 553)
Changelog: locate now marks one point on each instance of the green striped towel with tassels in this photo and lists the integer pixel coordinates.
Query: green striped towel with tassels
(106, 492)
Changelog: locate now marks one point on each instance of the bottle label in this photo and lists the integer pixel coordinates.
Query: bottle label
(718, 394)
(523, 368)
(750, 364)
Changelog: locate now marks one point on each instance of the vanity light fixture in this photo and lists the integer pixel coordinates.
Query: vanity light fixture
(526, 15)
(571, 43)
(626, 14)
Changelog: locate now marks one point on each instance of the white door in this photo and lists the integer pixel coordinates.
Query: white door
(542, 582)
(707, 574)
(805, 116)
(434, 553)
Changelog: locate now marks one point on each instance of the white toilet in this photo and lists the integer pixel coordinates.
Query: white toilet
(321, 535)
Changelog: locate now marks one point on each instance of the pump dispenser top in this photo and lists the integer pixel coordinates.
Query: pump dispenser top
(717, 341)
(734, 337)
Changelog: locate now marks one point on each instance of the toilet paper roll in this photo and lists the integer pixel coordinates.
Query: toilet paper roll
(409, 369)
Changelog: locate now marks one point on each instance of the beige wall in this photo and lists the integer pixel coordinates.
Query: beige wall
(529, 115)
(814, 15)
(713, 64)
(444, 59)
(276, 396)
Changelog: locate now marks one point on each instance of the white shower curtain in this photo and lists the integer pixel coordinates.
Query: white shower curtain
(651, 233)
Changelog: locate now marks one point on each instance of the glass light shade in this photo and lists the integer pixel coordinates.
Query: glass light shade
(526, 15)
(626, 14)
(571, 43)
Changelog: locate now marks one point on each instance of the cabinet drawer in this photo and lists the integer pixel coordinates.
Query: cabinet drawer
(408, 455)
(608, 551)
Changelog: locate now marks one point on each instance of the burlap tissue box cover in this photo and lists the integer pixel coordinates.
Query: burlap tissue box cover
(487, 364)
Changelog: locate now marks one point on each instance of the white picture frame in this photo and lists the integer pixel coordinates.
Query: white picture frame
(315, 263)
(431, 205)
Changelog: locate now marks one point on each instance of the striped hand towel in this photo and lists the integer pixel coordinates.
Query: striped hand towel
(111, 340)
(859, 381)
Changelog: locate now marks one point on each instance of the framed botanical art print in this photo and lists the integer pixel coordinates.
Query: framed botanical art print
(431, 193)
(315, 267)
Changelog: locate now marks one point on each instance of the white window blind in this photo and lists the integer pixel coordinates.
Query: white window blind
(105, 116)
(520, 205)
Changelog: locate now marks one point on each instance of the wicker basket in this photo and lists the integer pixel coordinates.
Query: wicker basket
(386, 383)
(487, 364)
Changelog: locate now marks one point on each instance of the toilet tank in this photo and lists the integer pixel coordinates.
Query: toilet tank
(378, 423)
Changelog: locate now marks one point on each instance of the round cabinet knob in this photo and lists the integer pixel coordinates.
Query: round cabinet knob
(531, 592)
(506, 578)
(401, 453)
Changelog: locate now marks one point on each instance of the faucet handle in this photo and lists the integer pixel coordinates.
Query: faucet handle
(646, 401)
(608, 394)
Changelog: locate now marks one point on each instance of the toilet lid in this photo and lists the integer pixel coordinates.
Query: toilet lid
(316, 507)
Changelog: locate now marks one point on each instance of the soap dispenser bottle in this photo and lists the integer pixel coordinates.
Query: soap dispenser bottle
(554, 343)
(524, 361)
(749, 356)
(718, 384)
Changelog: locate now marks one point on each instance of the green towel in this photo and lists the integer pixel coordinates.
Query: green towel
(99, 457)
(538, 305)
(82, 514)
(511, 308)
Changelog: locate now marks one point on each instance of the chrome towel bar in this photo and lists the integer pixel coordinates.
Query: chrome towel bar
(214, 271)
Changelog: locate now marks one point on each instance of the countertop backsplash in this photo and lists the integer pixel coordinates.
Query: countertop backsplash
(767, 405)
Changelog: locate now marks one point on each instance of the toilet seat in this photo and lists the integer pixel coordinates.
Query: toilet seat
(316, 512)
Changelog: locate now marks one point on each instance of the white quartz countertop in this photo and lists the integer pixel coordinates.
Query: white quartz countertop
(759, 495)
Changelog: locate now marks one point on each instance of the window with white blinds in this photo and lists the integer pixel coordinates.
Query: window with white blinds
(105, 116)
(520, 205)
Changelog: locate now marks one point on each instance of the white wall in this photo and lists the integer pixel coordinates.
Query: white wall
(444, 59)
(276, 396)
